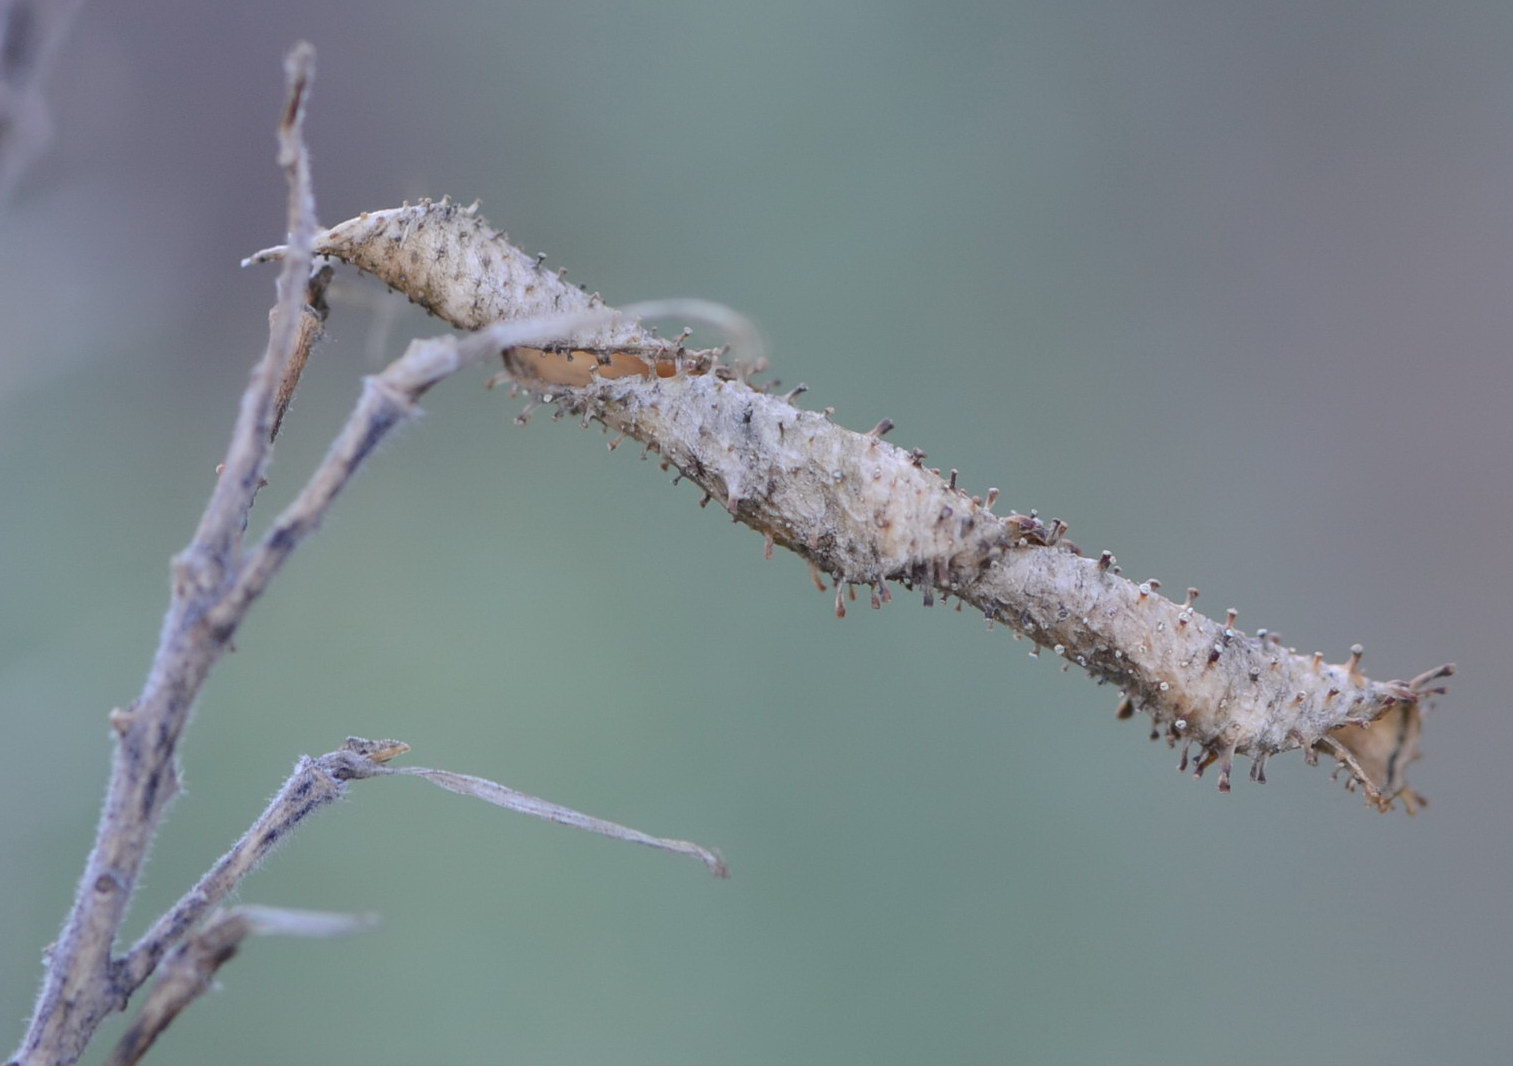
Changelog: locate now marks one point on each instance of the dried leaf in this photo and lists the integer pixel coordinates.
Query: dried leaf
(509, 798)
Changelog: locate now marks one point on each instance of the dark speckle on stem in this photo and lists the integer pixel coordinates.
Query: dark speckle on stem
(377, 428)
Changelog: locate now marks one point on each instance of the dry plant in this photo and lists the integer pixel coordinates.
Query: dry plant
(864, 512)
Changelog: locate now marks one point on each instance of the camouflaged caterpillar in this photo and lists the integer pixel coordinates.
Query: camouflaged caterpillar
(870, 513)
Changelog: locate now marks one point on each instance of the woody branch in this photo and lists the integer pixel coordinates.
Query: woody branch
(81, 984)
(215, 582)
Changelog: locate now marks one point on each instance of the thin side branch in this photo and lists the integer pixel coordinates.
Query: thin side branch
(189, 971)
(388, 399)
(316, 783)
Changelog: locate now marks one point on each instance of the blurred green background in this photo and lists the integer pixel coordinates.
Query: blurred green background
(1225, 285)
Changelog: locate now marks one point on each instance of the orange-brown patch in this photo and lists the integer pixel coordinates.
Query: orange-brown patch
(577, 367)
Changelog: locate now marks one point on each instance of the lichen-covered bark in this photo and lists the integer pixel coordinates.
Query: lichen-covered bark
(869, 513)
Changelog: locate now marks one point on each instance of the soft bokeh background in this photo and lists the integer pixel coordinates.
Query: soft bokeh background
(1225, 285)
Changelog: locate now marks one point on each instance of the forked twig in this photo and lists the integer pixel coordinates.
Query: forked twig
(188, 971)
(316, 783)
(215, 581)
(80, 986)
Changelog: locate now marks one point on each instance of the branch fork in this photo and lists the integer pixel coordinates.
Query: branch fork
(214, 582)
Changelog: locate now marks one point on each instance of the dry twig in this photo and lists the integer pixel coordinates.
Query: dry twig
(316, 783)
(215, 581)
(81, 983)
(187, 973)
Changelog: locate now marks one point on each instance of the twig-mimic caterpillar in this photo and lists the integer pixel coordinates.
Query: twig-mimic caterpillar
(869, 513)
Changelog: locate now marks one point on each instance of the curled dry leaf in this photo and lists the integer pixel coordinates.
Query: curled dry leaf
(869, 513)
(510, 799)
(311, 925)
